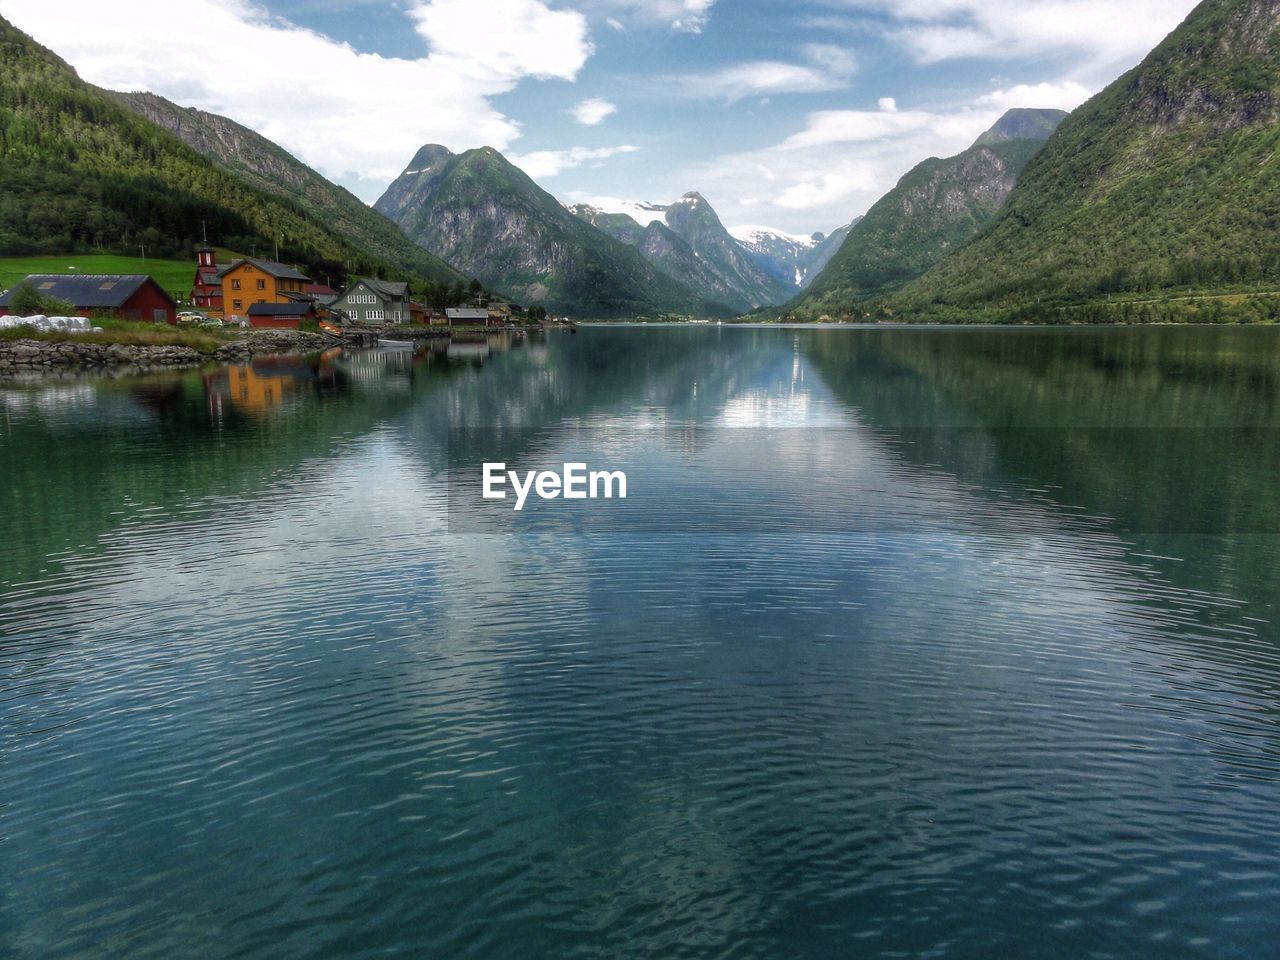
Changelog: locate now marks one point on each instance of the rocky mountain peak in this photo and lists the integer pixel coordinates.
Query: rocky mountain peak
(1022, 123)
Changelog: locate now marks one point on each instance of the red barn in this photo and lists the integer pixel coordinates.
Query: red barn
(137, 297)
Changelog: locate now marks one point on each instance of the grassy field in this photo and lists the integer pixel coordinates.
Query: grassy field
(132, 334)
(174, 275)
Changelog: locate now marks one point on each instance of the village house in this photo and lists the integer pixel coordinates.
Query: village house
(134, 297)
(376, 302)
(206, 292)
(251, 281)
(468, 316)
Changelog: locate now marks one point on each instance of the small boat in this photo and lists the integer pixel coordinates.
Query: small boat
(395, 344)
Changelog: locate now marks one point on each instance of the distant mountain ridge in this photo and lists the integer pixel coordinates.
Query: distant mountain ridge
(935, 209)
(687, 240)
(483, 214)
(789, 258)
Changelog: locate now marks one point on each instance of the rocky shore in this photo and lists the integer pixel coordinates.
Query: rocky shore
(260, 343)
(33, 356)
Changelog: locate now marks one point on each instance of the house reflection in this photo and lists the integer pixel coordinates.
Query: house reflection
(264, 384)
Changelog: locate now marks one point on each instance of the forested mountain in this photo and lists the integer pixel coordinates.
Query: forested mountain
(1159, 191)
(934, 210)
(486, 216)
(276, 172)
(81, 172)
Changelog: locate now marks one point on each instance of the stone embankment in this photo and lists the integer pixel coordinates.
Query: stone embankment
(32, 356)
(259, 343)
(28, 355)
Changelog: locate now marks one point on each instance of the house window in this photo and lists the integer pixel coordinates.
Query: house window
(237, 304)
(262, 284)
(377, 315)
(235, 284)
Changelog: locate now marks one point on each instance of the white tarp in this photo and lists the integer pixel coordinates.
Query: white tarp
(51, 324)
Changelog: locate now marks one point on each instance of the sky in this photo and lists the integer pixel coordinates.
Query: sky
(792, 114)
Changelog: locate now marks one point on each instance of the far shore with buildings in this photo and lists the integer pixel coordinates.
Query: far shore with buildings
(258, 293)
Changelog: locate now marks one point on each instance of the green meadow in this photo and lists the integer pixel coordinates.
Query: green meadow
(174, 275)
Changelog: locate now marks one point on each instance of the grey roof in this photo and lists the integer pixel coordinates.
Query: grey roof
(84, 290)
(467, 313)
(386, 289)
(281, 309)
(269, 267)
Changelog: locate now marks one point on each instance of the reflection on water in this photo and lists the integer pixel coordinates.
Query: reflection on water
(909, 650)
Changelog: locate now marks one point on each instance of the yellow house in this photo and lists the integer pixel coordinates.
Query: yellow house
(250, 281)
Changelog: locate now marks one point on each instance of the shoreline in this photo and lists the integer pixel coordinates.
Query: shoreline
(32, 356)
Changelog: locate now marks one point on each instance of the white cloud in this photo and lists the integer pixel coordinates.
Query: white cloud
(356, 117)
(1103, 36)
(688, 16)
(827, 127)
(1054, 96)
(517, 38)
(828, 68)
(543, 164)
(826, 189)
(591, 112)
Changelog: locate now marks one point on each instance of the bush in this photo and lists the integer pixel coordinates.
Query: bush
(27, 301)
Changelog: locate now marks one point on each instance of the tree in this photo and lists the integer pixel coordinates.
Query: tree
(27, 301)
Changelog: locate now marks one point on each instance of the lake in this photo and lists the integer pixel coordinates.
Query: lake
(904, 643)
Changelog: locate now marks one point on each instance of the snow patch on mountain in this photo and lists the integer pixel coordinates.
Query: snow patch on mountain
(642, 212)
(755, 235)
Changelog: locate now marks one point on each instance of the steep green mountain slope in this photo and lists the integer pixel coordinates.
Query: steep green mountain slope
(1023, 123)
(81, 173)
(277, 173)
(935, 209)
(1162, 189)
(484, 215)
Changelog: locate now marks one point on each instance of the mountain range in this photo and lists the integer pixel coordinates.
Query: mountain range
(483, 214)
(686, 240)
(1158, 199)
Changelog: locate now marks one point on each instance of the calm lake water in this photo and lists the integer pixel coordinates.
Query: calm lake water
(905, 643)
